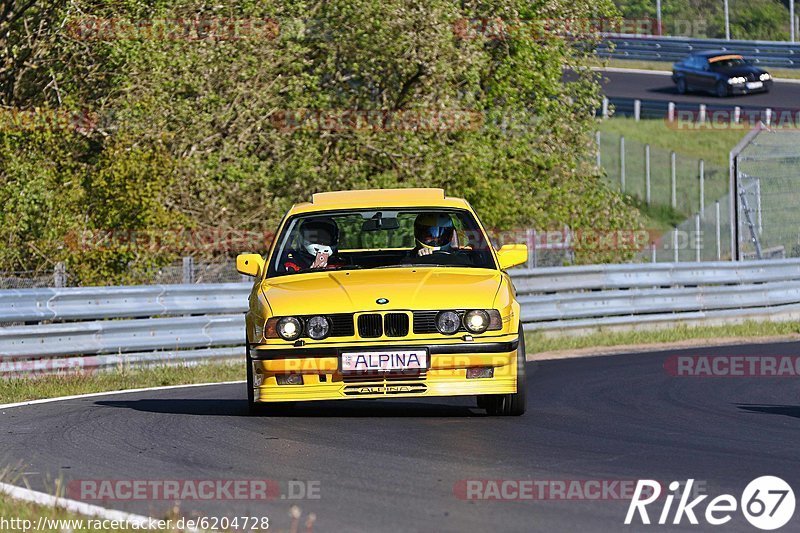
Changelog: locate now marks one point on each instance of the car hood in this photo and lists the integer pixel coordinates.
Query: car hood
(740, 71)
(405, 288)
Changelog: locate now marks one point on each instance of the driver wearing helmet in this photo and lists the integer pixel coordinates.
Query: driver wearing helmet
(318, 238)
(433, 232)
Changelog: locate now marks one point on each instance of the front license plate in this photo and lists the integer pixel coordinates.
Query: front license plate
(385, 361)
(754, 84)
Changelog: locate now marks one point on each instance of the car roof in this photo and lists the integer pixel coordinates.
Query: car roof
(376, 198)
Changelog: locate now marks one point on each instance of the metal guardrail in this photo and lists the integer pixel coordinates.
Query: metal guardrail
(652, 48)
(95, 328)
(84, 303)
(747, 114)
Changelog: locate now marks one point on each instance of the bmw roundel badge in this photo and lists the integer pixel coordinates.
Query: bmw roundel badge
(382, 301)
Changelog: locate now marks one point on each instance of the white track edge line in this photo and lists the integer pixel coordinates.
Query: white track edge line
(107, 393)
(624, 70)
(73, 506)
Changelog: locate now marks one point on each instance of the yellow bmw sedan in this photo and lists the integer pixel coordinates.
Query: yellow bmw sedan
(384, 294)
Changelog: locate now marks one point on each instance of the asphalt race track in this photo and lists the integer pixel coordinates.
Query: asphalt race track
(393, 465)
(660, 87)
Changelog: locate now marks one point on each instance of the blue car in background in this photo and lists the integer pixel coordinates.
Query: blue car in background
(721, 73)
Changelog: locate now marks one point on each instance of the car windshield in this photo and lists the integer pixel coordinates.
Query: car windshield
(366, 239)
(727, 61)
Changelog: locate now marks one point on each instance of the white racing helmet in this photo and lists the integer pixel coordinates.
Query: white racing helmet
(319, 235)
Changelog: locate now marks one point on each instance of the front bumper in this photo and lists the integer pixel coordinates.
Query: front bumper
(741, 88)
(446, 375)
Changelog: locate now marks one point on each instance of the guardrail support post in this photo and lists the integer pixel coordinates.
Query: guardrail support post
(652, 252)
(188, 269)
(758, 205)
(60, 275)
(702, 188)
(605, 107)
(622, 163)
(698, 241)
(702, 117)
(675, 256)
(768, 116)
(671, 111)
(530, 238)
(647, 173)
(737, 114)
(674, 195)
(597, 141)
(637, 109)
(717, 224)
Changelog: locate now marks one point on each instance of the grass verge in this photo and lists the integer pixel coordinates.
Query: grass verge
(24, 516)
(31, 388)
(537, 342)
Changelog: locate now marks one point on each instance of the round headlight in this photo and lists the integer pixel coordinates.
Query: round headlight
(477, 321)
(448, 322)
(318, 327)
(289, 328)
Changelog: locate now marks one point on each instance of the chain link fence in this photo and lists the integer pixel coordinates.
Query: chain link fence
(692, 192)
(658, 177)
(768, 196)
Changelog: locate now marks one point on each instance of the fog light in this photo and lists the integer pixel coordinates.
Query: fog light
(480, 372)
(289, 379)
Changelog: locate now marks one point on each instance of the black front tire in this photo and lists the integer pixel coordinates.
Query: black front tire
(252, 407)
(260, 408)
(721, 90)
(509, 404)
(681, 85)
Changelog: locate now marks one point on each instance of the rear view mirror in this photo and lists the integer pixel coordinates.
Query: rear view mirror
(510, 255)
(375, 224)
(250, 264)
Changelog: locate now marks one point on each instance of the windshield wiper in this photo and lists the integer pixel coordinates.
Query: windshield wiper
(331, 269)
(403, 265)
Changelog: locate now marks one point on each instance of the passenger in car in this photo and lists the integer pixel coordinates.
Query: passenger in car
(319, 238)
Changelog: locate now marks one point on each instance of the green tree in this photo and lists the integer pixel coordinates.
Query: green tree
(199, 130)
